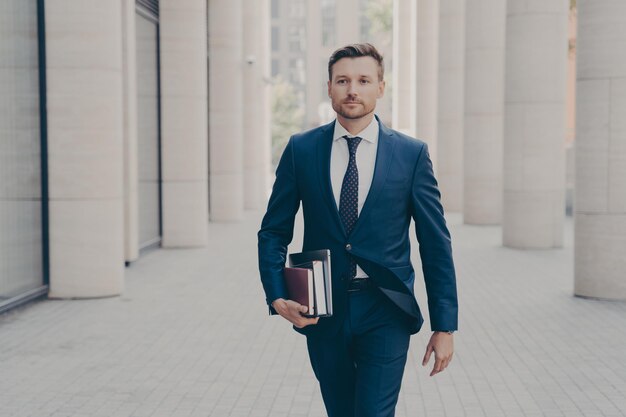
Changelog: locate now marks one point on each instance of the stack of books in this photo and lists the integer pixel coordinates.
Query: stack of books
(309, 282)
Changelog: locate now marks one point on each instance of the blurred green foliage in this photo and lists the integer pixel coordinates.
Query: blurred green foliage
(287, 116)
(380, 15)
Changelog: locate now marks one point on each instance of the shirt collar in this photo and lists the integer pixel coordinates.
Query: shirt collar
(370, 133)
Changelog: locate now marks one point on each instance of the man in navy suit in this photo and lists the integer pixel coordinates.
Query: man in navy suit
(360, 184)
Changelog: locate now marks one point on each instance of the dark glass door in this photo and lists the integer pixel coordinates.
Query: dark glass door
(21, 253)
(149, 192)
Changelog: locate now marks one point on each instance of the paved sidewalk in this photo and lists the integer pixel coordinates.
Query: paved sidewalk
(190, 337)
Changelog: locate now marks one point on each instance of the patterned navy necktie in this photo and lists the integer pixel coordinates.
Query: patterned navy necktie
(349, 199)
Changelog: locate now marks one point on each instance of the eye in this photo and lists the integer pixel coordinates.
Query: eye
(341, 81)
(365, 81)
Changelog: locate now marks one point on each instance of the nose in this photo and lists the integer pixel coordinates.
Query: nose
(352, 89)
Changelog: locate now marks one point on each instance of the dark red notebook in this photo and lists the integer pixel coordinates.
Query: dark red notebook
(299, 283)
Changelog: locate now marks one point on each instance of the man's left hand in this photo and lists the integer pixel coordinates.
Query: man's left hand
(442, 344)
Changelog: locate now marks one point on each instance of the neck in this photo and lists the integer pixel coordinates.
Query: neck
(355, 126)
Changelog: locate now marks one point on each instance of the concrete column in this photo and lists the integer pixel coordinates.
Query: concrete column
(265, 67)
(426, 69)
(85, 148)
(314, 80)
(184, 122)
(450, 103)
(404, 62)
(534, 124)
(485, 30)
(256, 134)
(226, 110)
(129, 111)
(347, 22)
(600, 197)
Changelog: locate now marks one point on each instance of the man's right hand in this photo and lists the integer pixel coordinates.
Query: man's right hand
(292, 312)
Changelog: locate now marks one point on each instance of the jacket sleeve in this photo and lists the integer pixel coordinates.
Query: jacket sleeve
(434, 245)
(277, 227)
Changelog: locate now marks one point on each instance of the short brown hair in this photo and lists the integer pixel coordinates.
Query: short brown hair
(354, 51)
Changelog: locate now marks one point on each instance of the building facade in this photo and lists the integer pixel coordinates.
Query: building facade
(120, 132)
(128, 125)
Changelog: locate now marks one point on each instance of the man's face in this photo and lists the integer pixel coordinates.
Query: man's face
(355, 87)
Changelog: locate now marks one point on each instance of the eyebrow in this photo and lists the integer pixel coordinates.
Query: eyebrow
(358, 76)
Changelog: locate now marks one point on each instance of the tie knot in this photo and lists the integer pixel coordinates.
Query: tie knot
(352, 143)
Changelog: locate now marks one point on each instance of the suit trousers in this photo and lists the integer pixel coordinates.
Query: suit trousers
(360, 371)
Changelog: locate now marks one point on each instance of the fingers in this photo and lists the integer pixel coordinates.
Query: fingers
(440, 364)
(293, 313)
(303, 322)
(429, 351)
(294, 309)
(438, 367)
(442, 345)
(299, 309)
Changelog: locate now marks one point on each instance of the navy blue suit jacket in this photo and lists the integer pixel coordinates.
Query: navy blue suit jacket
(403, 188)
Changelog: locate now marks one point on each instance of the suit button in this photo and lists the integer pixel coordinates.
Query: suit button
(348, 247)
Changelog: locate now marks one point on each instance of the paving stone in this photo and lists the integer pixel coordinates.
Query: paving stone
(191, 336)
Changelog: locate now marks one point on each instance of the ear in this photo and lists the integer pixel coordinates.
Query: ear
(381, 88)
(328, 84)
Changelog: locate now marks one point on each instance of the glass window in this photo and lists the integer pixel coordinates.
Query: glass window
(365, 23)
(148, 132)
(275, 68)
(21, 265)
(293, 71)
(297, 74)
(296, 8)
(328, 23)
(297, 38)
(324, 77)
(275, 9)
(275, 39)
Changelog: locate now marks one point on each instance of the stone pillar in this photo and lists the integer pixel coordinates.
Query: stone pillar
(85, 148)
(256, 134)
(265, 68)
(426, 72)
(129, 111)
(404, 40)
(184, 122)
(534, 124)
(485, 30)
(600, 195)
(450, 103)
(347, 22)
(314, 81)
(226, 110)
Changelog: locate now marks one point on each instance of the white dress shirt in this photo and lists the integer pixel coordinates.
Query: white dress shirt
(365, 162)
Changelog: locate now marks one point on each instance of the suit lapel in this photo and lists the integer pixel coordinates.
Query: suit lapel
(324, 147)
(381, 169)
(383, 163)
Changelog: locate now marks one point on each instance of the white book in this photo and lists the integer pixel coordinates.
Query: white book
(320, 288)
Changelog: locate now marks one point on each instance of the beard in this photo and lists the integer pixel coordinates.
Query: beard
(353, 113)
